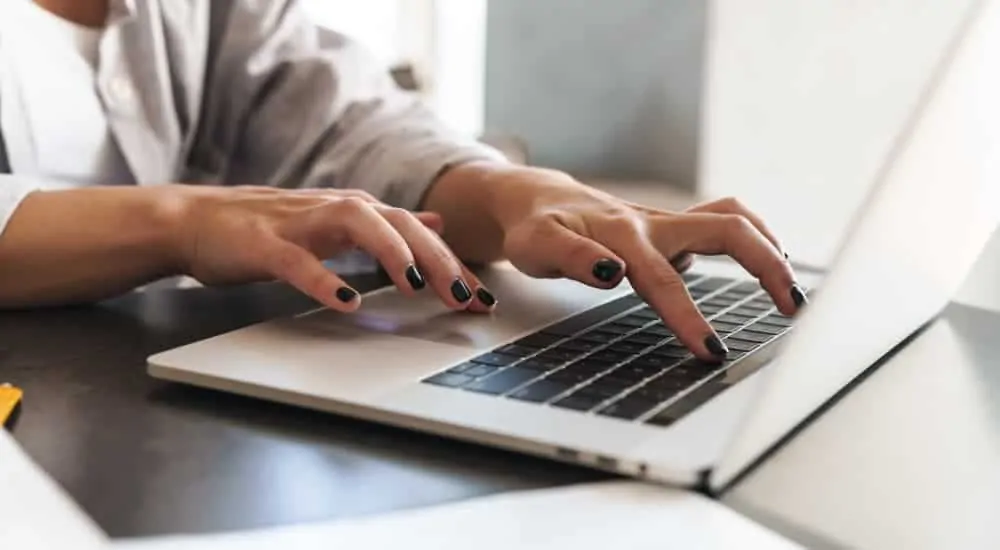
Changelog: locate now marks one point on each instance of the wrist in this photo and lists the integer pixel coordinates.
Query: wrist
(508, 193)
(170, 209)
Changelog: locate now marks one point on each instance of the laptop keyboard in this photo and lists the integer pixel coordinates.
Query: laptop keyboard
(618, 359)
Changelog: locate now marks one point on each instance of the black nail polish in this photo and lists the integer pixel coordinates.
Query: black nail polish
(486, 297)
(716, 346)
(414, 277)
(346, 294)
(461, 291)
(799, 296)
(606, 270)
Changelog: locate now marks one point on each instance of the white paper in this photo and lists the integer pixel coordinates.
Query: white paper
(35, 513)
(623, 514)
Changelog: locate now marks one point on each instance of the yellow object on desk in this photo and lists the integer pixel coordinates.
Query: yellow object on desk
(10, 401)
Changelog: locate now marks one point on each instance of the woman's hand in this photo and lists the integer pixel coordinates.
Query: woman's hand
(552, 226)
(245, 234)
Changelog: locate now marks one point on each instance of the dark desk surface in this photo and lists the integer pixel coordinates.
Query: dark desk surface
(146, 457)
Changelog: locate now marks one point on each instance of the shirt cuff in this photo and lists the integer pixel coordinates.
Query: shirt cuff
(416, 174)
(13, 190)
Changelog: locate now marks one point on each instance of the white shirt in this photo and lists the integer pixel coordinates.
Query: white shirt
(235, 91)
(54, 123)
(61, 129)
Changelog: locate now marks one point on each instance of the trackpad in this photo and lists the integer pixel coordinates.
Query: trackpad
(525, 305)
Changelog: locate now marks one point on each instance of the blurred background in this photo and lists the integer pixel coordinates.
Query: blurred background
(597, 88)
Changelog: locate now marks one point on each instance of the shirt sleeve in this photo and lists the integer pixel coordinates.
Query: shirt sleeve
(290, 104)
(13, 190)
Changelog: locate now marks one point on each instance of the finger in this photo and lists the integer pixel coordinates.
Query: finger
(443, 271)
(432, 221)
(737, 237)
(299, 268)
(663, 289)
(733, 206)
(368, 230)
(551, 250)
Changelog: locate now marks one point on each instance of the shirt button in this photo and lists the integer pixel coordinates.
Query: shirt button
(121, 92)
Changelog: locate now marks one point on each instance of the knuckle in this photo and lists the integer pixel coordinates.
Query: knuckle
(737, 225)
(731, 205)
(396, 215)
(352, 205)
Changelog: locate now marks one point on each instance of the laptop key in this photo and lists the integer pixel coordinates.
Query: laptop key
(540, 365)
(503, 381)
(598, 337)
(585, 365)
(777, 320)
(538, 340)
(630, 348)
(579, 345)
(688, 403)
(735, 319)
(495, 359)
(644, 339)
(516, 350)
(449, 380)
(724, 328)
(658, 330)
(670, 351)
(618, 328)
(600, 390)
(750, 336)
(632, 320)
(629, 408)
(748, 287)
(712, 284)
(570, 376)
(686, 373)
(609, 356)
(746, 311)
(459, 369)
(707, 309)
(645, 313)
(741, 345)
(559, 355)
(591, 317)
(767, 329)
(690, 277)
(578, 402)
(641, 370)
(540, 391)
(481, 370)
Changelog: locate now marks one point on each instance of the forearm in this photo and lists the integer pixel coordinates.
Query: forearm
(84, 245)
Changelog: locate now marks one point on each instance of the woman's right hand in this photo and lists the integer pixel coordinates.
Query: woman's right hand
(238, 235)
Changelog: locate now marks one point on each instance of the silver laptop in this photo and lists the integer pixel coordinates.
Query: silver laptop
(594, 378)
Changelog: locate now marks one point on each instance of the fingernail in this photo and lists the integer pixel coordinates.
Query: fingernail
(606, 270)
(716, 346)
(346, 294)
(414, 277)
(799, 296)
(486, 297)
(461, 291)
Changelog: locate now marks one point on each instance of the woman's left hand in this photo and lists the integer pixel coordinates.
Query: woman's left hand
(554, 226)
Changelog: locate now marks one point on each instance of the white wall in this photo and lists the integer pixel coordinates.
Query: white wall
(444, 39)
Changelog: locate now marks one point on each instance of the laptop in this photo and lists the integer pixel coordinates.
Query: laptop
(592, 377)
